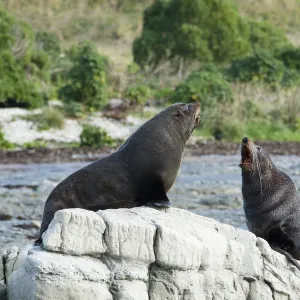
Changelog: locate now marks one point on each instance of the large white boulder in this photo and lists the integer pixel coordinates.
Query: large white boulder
(148, 254)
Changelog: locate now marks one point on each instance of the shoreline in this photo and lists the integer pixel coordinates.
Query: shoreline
(63, 155)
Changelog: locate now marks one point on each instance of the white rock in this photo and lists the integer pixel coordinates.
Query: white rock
(148, 254)
(128, 235)
(77, 232)
(130, 290)
(53, 276)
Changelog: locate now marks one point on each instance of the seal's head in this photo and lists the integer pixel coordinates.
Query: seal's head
(254, 158)
(186, 116)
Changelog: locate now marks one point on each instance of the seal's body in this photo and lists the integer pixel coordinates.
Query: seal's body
(271, 201)
(140, 173)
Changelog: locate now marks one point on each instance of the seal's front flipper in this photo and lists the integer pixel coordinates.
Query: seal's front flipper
(153, 194)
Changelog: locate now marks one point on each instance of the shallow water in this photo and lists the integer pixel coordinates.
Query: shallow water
(206, 185)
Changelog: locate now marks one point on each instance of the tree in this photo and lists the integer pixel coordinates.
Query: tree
(86, 80)
(189, 30)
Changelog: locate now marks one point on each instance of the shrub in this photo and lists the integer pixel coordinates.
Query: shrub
(262, 66)
(207, 85)
(95, 137)
(74, 109)
(4, 144)
(137, 94)
(15, 88)
(86, 80)
(264, 35)
(290, 56)
(48, 42)
(24, 70)
(49, 118)
(35, 144)
(163, 94)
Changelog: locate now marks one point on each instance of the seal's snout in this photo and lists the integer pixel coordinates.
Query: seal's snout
(246, 154)
(245, 140)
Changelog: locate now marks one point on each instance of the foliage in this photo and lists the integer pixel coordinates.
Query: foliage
(271, 131)
(48, 118)
(95, 137)
(48, 42)
(262, 66)
(192, 30)
(264, 35)
(15, 89)
(74, 109)
(35, 144)
(86, 80)
(290, 56)
(137, 94)
(6, 22)
(4, 144)
(162, 94)
(24, 70)
(207, 85)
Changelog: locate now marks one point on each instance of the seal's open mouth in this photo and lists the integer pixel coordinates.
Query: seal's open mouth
(246, 156)
(246, 160)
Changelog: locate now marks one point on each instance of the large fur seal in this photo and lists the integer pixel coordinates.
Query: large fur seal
(271, 201)
(140, 173)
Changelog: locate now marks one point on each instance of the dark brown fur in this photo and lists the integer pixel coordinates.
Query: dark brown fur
(141, 172)
(271, 201)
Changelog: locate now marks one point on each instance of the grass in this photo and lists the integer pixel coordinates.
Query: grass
(74, 21)
(258, 112)
(4, 144)
(271, 132)
(47, 119)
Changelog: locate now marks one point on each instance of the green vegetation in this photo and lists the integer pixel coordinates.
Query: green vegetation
(184, 31)
(263, 67)
(86, 80)
(234, 56)
(74, 110)
(35, 144)
(24, 69)
(48, 118)
(4, 144)
(264, 35)
(95, 137)
(137, 94)
(290, 57)
(207, 85)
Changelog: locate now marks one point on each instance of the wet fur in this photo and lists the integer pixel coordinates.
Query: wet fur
(271, 204)
(140, 172)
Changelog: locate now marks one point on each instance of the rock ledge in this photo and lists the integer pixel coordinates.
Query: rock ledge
(144, 253)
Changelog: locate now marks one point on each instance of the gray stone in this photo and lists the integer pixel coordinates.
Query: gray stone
(148, 254)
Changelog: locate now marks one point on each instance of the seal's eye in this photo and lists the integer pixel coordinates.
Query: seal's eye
(186, 108)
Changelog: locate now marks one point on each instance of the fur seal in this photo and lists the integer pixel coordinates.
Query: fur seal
(140, 172)
(271, 201)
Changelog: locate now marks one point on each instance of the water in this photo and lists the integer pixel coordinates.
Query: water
(206, 185)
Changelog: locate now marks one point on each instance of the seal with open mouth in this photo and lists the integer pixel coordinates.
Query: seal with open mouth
(140, 172)
(271, 201)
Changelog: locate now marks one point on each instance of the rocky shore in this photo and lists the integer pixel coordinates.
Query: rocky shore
(147, 254)
(195, 147)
